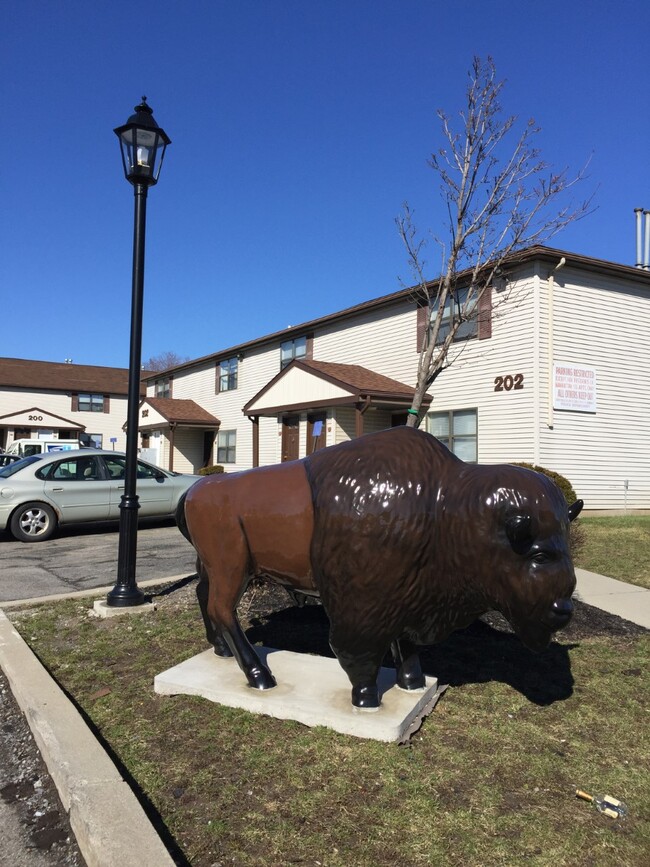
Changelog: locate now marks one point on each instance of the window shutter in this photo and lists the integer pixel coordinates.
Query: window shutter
(485, 314)
(75, 403)
(107, 403)
(217, 379)
(309, 346)
(421, 324)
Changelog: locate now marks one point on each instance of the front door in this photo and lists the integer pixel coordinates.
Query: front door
(316, 434)
(290, 438)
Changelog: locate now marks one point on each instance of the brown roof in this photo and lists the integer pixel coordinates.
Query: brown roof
(364, 385)
(549, 255)
(58, 376)
(358, 378)
(182, 411)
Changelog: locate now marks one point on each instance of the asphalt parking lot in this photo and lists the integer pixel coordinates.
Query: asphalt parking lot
(85, 556)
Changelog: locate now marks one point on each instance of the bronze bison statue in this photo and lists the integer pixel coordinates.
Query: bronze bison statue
(402, 541)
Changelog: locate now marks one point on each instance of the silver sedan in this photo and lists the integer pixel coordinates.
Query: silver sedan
(40, 492)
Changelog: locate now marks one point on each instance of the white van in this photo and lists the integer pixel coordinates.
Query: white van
(26, 447)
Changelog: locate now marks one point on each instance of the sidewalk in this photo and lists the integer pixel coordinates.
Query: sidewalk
(111, 828)
(625, 600)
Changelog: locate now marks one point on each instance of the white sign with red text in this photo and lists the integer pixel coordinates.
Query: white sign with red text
(574, 387)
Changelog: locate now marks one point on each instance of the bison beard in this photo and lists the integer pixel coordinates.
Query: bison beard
(403, 542)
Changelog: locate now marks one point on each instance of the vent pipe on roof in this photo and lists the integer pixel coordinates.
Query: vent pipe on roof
(639, 232)
(646, 242)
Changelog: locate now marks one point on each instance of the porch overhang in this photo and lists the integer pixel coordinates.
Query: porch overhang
(168, 412)
(35, 417)
(309, 385)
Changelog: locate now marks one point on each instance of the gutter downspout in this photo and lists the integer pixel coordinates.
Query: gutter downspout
(551, 287)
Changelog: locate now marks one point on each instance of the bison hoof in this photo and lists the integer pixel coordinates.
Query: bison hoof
(411, 681)
(222, 650)
(260, 678)
(365, 697)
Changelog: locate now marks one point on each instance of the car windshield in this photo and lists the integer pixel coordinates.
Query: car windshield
(16, 466)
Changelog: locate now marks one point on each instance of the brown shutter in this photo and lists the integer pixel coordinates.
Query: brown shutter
(75, 403)
(217, 379)
(421, 324)
(485, 314)
(309, 347)
(107, 403)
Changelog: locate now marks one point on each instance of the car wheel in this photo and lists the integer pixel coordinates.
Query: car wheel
(33, 522)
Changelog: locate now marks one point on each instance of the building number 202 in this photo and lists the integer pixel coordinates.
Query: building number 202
(509, 383)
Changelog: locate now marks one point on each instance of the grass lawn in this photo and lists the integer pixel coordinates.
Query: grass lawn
(618, 547)
(488, 780)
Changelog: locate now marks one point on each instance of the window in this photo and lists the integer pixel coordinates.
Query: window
(291, 349)
(92, 441)
(457, 429)
(90, 402)
(227, 447)
(163, 387)
(73, 470)
(116, 467)
(454, 305)
(227, 374)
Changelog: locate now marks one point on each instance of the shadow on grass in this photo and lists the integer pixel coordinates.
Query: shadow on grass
(479, 654)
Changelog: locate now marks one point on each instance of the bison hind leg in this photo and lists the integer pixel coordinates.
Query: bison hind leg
(407, 662)
(212, 634)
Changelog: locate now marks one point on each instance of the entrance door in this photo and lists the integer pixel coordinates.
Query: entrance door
(290, 438)
(316, 434)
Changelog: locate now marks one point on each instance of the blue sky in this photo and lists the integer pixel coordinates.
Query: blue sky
(298, 127)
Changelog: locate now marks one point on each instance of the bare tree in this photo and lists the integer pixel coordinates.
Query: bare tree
(501, 197)
(164, 360)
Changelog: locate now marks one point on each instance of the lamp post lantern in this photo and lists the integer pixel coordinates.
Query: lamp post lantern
(143, 144)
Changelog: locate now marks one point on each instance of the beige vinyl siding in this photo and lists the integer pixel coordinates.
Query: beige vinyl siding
(188, 450)
(604, 325)
(344, 424)
(381, 340)
(505, 430)
(109, 424)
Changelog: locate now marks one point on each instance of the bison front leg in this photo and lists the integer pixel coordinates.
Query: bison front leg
(361, 666)
(407, 662)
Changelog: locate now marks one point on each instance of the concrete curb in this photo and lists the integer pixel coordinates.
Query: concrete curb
(111, 828)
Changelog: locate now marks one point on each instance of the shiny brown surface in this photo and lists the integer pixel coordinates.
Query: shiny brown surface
(404, 542)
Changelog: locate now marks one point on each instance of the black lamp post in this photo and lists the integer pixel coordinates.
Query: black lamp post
(143, 144)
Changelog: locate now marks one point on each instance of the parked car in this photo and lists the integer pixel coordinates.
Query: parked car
(6, 459)
(40, 492)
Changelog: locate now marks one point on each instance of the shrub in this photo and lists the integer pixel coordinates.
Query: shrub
(208, 471)
(576, 535)
(561, 481)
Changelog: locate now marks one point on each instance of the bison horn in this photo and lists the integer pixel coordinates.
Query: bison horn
(519, 532)
(575, 509)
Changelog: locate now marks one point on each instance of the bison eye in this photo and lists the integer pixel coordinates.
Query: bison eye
(542, 557)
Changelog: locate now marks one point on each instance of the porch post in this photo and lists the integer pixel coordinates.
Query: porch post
(172, 431)
(359, 411)
(255, 419)
(358, 420)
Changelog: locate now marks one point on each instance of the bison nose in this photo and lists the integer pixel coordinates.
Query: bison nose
(560, 613)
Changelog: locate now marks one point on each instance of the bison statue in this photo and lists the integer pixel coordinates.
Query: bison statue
(402, 541)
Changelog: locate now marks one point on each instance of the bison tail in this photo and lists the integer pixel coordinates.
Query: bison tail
(181, 521)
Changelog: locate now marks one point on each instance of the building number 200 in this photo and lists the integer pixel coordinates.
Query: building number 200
(508, 383)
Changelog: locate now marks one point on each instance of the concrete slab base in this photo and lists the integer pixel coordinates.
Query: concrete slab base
(101, 608)
(311, 689)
